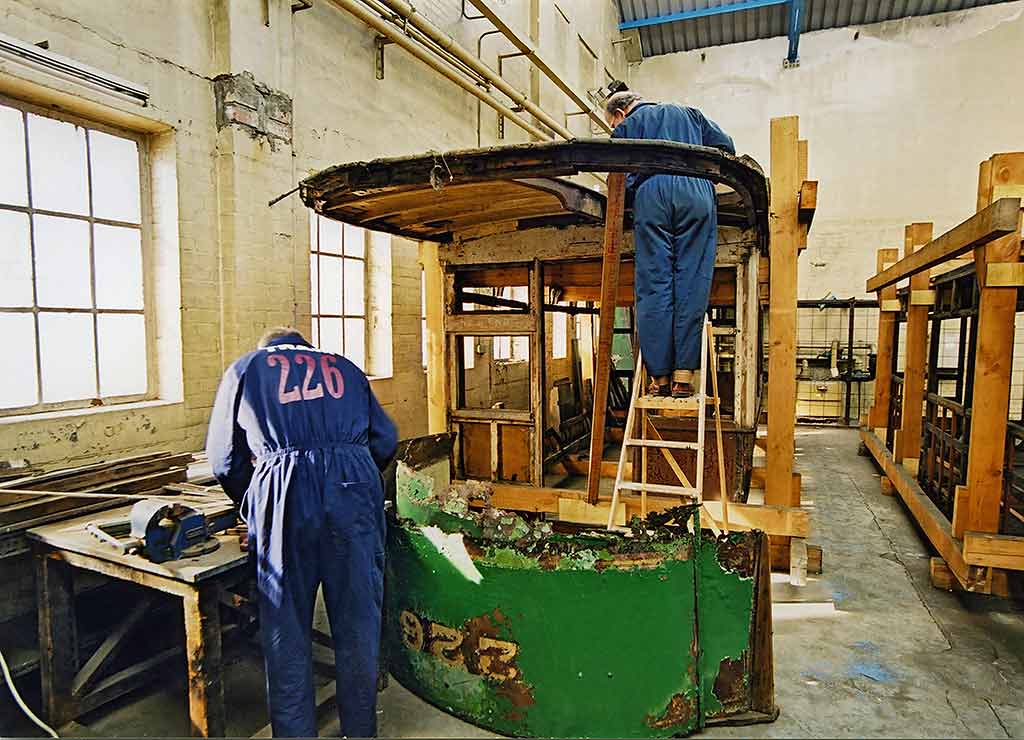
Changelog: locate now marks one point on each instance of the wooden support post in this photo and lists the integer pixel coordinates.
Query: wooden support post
(437, 381)
(538, 372)
(879, 415)
(609, 289)
(203, 651)
(58, 639)
(908, 445)
(784, 230)
(992, 366)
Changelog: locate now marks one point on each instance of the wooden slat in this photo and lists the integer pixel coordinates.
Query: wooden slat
(808, 200)
(994, 550)
(437, 368)
(997, 220)
(908, 445)
(784, 236)
(879, 415)
(933, 522)
(609, 289)
(991, 391)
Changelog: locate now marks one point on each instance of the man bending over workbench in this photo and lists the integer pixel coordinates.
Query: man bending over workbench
(314, 505)
(675, 231)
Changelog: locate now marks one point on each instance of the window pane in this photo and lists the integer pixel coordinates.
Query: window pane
(330, 285)
(355, 241)
(330, 235)
(314, 285)
(559, 340)
(117, 252)
(355, 288)
(14, 183)
(18, 375)
(62, 262)
(57, 153)
(68, 358)
(469, 352)
(423, 340)
(122, 340)
(15, 259)
(520, 348)
(114, 163)
(330, 336)
(316, 332)
(355, 342)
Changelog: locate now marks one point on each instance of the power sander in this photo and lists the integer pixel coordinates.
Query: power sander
(162, 530)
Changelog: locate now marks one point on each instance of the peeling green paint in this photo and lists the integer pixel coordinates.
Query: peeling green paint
(498, 620)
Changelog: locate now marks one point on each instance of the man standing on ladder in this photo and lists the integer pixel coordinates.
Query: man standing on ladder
(675, 230)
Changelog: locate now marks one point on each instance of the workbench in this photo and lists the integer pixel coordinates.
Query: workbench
(72, 686)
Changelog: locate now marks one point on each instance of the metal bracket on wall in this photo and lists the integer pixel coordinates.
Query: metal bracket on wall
(378, 57)
(501, 73)
(796, 19)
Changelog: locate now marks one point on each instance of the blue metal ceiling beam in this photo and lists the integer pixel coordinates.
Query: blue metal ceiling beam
(796, 19)
(701, 13)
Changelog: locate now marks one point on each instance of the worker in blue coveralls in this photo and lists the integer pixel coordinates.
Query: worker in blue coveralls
(675, 229)
(299, 440)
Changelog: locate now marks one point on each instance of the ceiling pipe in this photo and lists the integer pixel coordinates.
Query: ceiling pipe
(388, 30)
(527, 48)
(450, 45)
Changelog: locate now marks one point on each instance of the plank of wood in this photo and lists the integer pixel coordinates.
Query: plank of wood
(609, 288)
(879, 414)
(58, 637)
(784, 236)
(775, 520)
(581, 512)
(994, 550)
(437, 381)
(780, 556)
(991, 389)
(489, 324)
(808, 200)
(1004, 275)
(941, 576)
(996, 221)
(538, 378)
(915, 354)
(933, 522)
(205, 667)
(885, 486)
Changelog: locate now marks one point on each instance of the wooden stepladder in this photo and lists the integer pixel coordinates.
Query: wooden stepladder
(651, 439)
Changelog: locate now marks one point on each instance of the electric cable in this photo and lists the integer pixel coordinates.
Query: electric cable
(21, 702)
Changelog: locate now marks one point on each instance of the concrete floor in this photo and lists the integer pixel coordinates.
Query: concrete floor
(868, 649)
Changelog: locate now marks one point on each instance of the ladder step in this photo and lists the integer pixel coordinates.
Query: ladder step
(659, 488)
(667, 402)
(667, 443)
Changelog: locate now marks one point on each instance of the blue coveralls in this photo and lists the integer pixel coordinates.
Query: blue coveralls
(675, 231)
(314, 504)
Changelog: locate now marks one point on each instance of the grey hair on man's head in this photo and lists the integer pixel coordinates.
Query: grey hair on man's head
(621, 101)
(277, 333)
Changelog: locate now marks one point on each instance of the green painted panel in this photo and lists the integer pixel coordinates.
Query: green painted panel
(597, 652)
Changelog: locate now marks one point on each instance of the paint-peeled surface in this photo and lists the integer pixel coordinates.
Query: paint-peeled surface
(572, 651)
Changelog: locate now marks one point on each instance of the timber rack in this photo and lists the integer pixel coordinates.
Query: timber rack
(513, 249)
(946, 425)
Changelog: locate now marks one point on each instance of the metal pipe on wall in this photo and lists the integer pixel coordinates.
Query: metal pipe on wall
(446, 42)
(388, 30)
(527, 48)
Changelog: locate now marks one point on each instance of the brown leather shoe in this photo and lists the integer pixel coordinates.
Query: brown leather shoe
(654, 389)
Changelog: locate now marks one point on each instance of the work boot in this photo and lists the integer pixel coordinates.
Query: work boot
(682, 384)
(659, 386)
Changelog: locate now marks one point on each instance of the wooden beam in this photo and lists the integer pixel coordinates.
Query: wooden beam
(994, 550)
(933, 522)
(879, 415)
(915, 352)
(538, 372)
(1004, 275)
(808, 200)
(991, 396)
(609, 289)
(437, 381)
(58, 639)
(784, 237)
(203, 654)
(997, 220)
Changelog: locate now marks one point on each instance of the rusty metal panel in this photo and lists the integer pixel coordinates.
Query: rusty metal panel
(507, 624)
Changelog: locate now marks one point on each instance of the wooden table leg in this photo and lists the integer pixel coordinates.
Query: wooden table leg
(203, 649)
(58, 639)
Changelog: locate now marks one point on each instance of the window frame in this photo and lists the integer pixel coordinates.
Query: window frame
(145, 227)
(317, 315)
